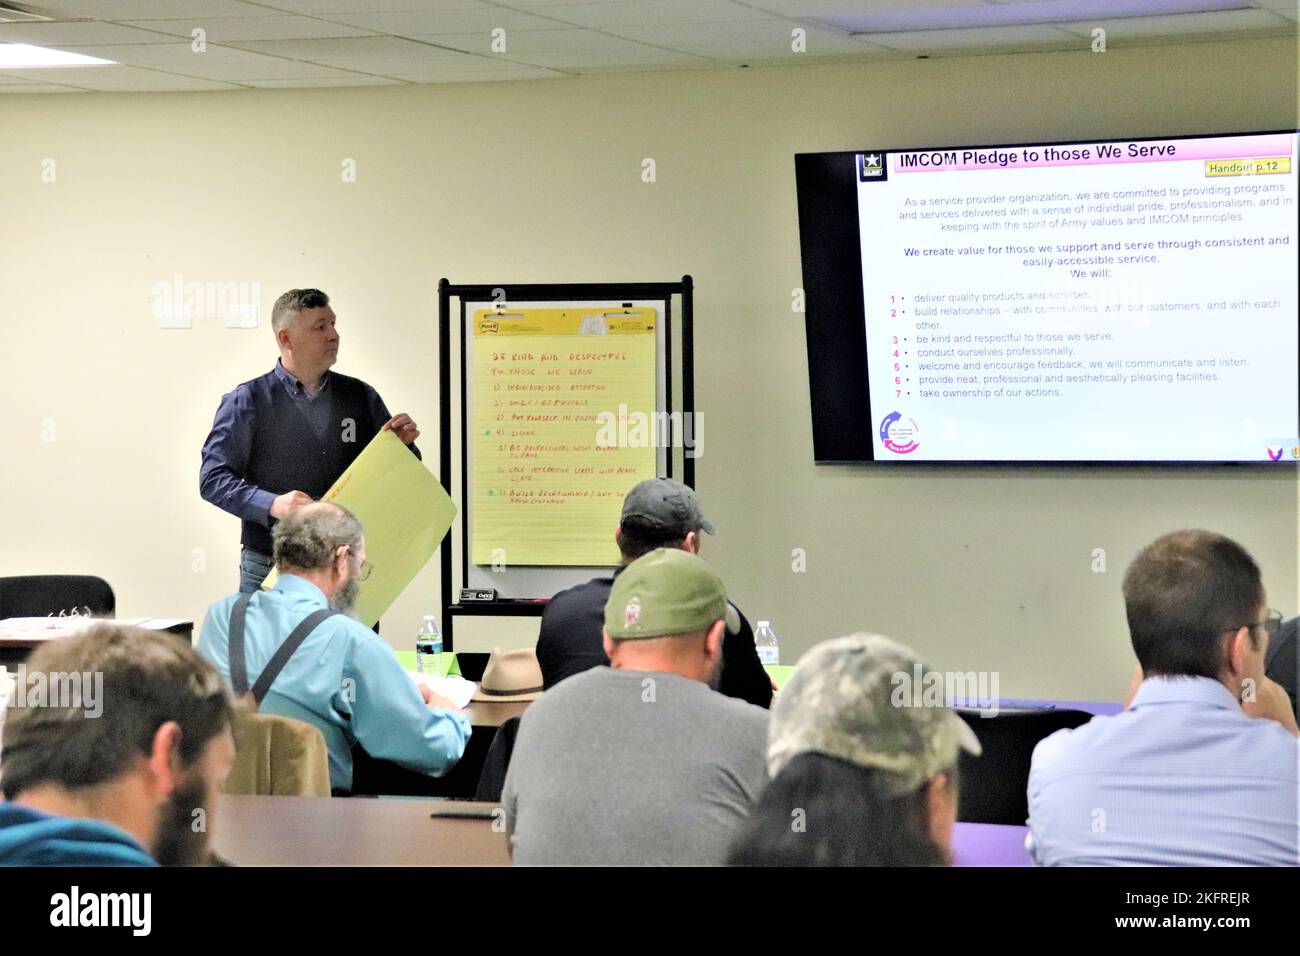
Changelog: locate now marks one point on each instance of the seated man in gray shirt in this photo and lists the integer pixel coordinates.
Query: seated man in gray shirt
(640, 762)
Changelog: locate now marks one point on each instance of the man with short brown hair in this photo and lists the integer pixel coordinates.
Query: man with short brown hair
(117, 742)
(1201, 770)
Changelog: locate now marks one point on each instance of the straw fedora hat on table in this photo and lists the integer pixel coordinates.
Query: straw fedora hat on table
(512, 675)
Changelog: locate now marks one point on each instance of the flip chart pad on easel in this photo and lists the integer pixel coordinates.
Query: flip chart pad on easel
(563, 424)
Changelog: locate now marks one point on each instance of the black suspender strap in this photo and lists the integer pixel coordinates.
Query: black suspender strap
(285, 651)
(238, 666)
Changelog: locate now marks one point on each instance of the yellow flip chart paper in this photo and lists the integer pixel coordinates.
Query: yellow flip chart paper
(405, 513)
(563, 426)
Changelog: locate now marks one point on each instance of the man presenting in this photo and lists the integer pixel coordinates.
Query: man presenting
(281, 440)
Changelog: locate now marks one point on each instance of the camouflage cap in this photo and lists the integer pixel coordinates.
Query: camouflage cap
(666, 505)
(668, 591)
(852, 698)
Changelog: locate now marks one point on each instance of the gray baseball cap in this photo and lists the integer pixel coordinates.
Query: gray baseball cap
(853, 698)
(666, 505)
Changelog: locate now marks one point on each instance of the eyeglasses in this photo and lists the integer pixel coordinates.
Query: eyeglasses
(364, 569)
(80, 613)
(1272, 624)
(80, 610)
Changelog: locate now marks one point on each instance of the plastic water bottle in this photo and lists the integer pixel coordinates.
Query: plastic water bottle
(769, 649)
(428, 648)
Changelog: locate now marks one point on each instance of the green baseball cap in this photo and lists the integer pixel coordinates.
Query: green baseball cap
(668, 591)
(851, 698)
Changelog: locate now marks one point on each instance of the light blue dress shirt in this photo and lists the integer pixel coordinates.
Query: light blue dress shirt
(344, 679)
(1183, 777)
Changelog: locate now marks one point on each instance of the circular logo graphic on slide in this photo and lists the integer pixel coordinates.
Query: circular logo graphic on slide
(899, 434)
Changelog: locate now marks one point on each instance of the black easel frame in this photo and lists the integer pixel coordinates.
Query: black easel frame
(554, 292)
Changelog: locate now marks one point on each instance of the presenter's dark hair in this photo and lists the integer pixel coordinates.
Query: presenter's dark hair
(1185, 594)
(293, 302)
(637, 537)
(140, 681)
(823, 811)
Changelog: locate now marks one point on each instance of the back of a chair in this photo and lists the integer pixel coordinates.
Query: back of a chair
(493, 778)
(36, 595)
(277, 756)
(993, 786)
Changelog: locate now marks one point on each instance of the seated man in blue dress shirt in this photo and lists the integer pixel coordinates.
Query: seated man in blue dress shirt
(283, 439)
(342, 678)
(1201, 770)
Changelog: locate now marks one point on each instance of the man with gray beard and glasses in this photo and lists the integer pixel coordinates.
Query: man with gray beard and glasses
(294, 650)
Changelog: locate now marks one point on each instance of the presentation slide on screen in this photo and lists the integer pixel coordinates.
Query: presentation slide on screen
(1108, 301)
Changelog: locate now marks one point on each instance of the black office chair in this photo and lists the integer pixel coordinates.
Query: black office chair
(36, 595)
(472, 664)
(493, 778)
(993, 786)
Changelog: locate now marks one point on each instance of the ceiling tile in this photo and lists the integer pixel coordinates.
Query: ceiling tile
(414, 23)
(604, 16)
(1287, 8)
(1182, 24)
(488, 76)
(810, 9)
(39, 88)
(992, 38)
(646, 56)
(325, 7)
(79, 33)
(146, 9)
(470, 64)
(395, 65)
(314, 82)
(237, 29)
(168, 54)
(281, 43)
(769, 36)
(126, 78)
(370, 46)
(535, 41)
(1013, 14)
(269, 68)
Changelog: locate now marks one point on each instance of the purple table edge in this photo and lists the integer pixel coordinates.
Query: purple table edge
(989, 844)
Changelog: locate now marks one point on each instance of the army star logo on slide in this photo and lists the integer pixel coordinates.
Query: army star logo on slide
(632, 613)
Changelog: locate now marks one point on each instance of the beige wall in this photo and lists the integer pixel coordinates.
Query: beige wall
(540, 182)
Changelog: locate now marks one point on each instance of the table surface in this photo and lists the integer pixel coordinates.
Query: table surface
(326, 831)
(491, 714)
(32, 639)
(989, 844)
(323, 831)
(780, 674)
